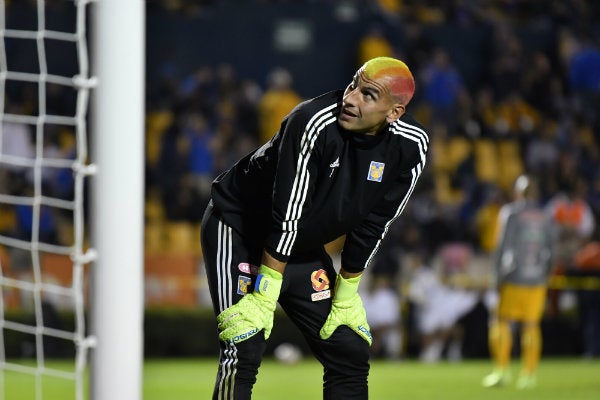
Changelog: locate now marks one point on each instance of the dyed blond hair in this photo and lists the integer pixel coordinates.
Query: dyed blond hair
(396, 74)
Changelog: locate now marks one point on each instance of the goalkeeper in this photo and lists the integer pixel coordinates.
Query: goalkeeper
(341, 164)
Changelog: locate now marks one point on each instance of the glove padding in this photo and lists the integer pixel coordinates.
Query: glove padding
(347, 309)
(254, 312)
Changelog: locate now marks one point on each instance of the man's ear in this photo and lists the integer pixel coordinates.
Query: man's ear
(395, 113)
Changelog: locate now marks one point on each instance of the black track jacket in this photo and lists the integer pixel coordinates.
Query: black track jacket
(314, 182)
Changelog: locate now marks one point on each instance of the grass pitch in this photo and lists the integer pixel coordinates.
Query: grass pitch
(193, 379)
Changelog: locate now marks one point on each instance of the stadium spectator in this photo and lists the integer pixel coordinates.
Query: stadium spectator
(16, 140)
(442, 88)
(483, 115)
(246, 105)
(382, 304)
(273, 212)
(201, 166)
(516, 117)
(574, 219)
(172, 168)
(541, 85)
(197, 91)
(279, 99)
(523, 263)
(46, 223)
(507, 66)
(373, 44)
(543, 151)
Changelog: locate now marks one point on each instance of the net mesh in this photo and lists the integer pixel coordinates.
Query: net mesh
(44, 89)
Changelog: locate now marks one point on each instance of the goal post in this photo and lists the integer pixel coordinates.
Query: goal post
(117, 132)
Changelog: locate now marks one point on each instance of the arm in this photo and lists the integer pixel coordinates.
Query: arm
(292, 191)
(349, 275)
(273, 263)
(359, 249)
(297, 169)
(364, 241)
(347, 307)
(360, 246)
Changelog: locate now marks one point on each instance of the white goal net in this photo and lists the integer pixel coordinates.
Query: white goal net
(44, 88)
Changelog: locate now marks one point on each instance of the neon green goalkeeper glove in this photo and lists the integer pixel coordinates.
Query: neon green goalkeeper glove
(255, 311)
(347, 309)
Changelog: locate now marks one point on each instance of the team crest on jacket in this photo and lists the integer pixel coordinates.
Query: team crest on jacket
(243, 283)
(376, 171)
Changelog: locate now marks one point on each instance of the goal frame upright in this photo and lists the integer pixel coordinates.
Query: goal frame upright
(117, 199)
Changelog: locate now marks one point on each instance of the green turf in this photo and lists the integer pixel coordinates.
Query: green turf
(558, 379)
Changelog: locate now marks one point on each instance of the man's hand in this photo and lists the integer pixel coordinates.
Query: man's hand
(254, 311)
(347, 309)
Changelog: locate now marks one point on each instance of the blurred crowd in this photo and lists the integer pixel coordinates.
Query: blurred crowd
(532, 111)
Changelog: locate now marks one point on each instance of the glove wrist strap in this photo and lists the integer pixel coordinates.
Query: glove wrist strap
(346, 288)
(268, 282)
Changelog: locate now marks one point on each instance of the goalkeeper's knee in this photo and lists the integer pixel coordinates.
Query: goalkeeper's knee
(349, 355)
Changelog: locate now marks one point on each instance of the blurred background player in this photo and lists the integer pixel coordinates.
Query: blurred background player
(439, 303)
(382, 304)
(523, 264)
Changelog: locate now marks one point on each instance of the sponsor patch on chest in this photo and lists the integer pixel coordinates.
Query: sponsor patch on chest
(375, 171)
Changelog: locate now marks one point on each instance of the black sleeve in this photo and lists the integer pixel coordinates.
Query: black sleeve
(294, 182)
(363, 242)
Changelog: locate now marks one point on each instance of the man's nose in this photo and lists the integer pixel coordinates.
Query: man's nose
(350, 96)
